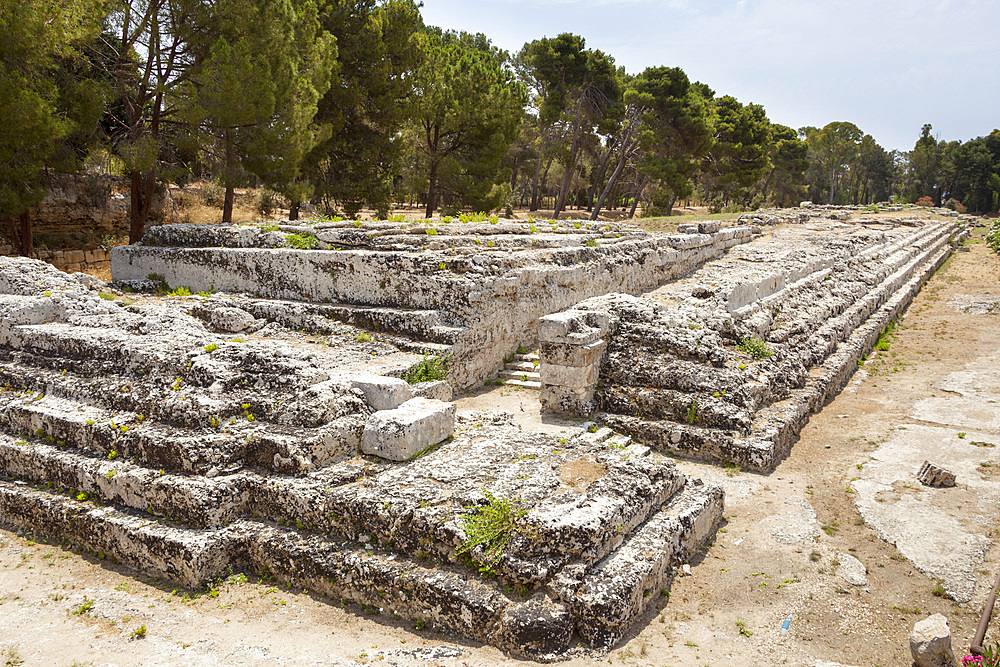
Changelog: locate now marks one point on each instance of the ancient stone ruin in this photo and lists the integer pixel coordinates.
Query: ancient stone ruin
(283, 421)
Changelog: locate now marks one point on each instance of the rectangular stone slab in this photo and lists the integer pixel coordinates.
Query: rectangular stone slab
(401, 433)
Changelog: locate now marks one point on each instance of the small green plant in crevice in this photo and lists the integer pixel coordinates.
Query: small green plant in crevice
(755, 348)
(692, 416)
(431, 367)
(304, 241)
(180, 291)
(270, 227)
(211, 347)
(139, 632)
(744, 632)
(490, 526)
(831, 528)
(591, 243)
(363, 337)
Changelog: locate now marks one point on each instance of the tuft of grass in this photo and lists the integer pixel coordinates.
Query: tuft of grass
(139, 632)
(363, 337)
(692, 416)
(180, 291)
(831, 528)
(755, 348)
(270, 227)
(744, 632)
(211, 347)
(490, 527)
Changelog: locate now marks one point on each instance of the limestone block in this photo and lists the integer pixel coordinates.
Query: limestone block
(566, 354)
(930, 643)
(580, 327)
(932, 475)
(566, 400)
(709, 227)
(569, 376)
(384, 393)
(438, 389)
(401, 433)
(74, 267)
(232, 320)
(687, 228)
(91, 256)
(74, 257)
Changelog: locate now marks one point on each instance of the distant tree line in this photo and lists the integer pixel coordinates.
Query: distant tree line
(357, 104)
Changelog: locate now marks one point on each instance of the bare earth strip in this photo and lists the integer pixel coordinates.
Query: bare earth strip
(847, 491)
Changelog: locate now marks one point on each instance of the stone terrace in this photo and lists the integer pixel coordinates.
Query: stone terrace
(476, 287)
(672, 367)
(147, 431)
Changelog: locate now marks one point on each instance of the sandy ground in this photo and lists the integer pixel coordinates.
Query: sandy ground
(778, 556)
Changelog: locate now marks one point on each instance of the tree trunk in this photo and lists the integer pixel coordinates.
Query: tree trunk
(141, 189)
(432, 188)
(598, 177)
(573, 151)
(27, 242)
(538, 172)
(227, 205)
(293, 211)
(640, 185)
(611, 183)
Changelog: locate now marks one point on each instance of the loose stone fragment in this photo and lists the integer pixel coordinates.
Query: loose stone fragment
(852, 570)
(930, 643)
(932, 475)
(407, 430)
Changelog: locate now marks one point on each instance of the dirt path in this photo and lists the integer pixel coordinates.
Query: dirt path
(786, 536)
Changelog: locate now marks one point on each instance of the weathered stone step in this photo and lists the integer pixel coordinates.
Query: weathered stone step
(524, 376)
(530, 384)
(522, 366)
(601, 606)
(530, 356)
(621, 587)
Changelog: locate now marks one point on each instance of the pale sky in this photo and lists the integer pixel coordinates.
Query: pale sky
(888, 66)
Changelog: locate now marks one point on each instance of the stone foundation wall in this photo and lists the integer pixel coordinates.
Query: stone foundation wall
(489, 283)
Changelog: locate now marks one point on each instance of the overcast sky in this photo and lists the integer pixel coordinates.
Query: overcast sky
(888, 66)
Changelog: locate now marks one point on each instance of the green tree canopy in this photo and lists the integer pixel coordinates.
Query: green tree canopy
(466, 111)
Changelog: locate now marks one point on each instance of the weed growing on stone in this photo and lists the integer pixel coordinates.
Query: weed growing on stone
(211, 347)
(591, 243)
(363, 337)
(270, 227)
(491, 527)
(431, 367)
(755, 348)
(139, 632)
(180, 291)
(303, 241)
(692, 416)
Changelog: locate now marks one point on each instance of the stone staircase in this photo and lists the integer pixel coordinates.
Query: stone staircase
(133, 429)
(522, 371)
